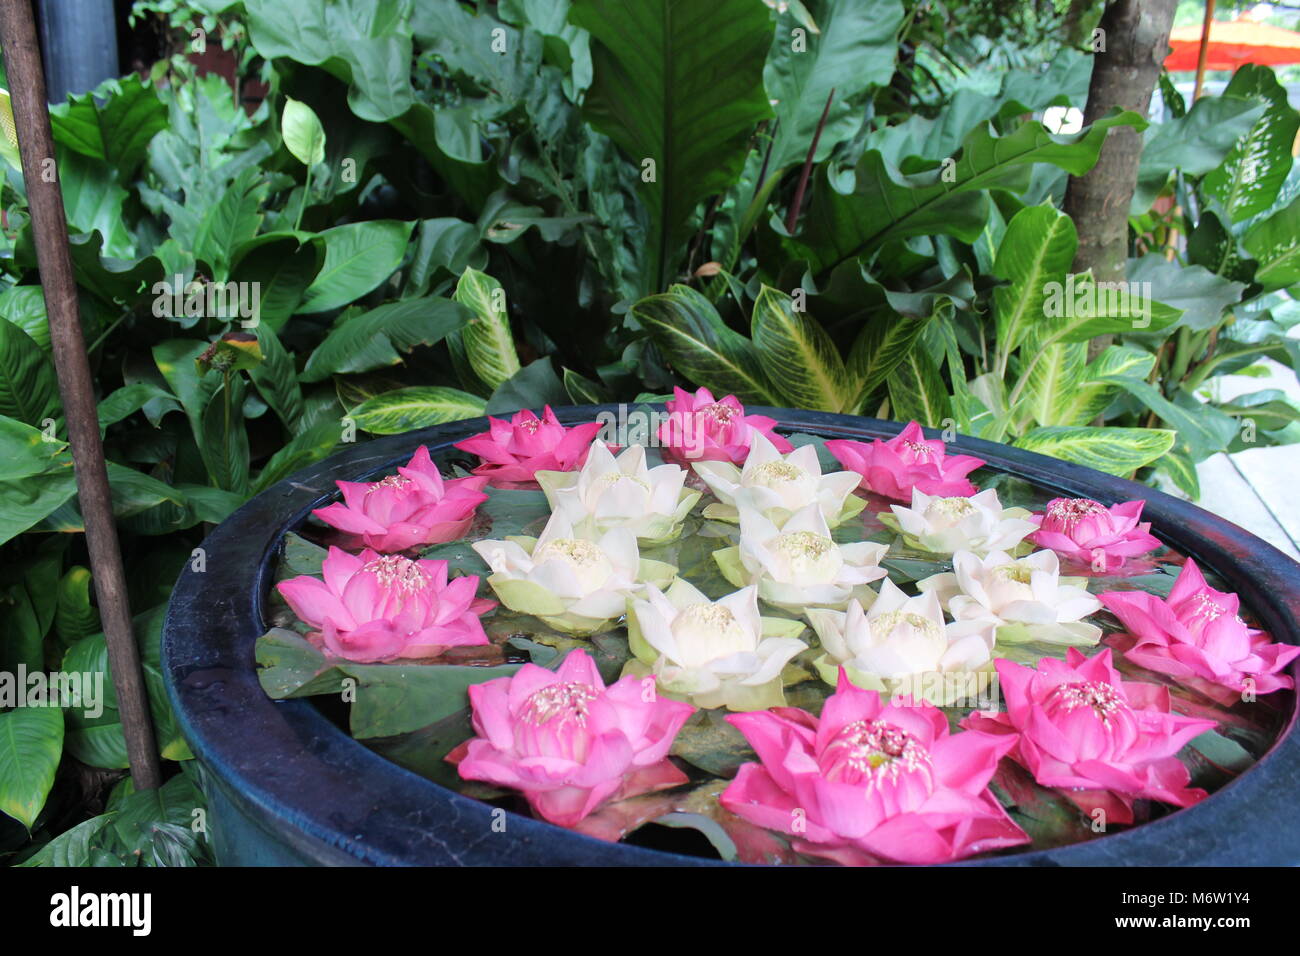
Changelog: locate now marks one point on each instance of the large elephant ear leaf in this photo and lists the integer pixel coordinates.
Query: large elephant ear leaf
(700, 347)
(1248, 181)
(854, 51)
(885, 204)
(678, 100)
(798, 356)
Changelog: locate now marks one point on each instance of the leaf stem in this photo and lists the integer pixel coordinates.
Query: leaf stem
(792, 215)
(302, 206)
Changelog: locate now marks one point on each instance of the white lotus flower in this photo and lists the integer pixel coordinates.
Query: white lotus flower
(902, 646)
(712, 653)
(573, 583)
(1027, 596)
(779, 485)
(621, 492)
(947, 525)
(798, 565)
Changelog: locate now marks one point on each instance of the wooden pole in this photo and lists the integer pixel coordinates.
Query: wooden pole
(45, 201)
(1203, 54)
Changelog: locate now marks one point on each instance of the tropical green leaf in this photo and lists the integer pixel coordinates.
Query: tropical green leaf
(1275, 243)
(1202, 429)
(1051, 389)
(1193, 144)
(129, 399)
(24, 306)
(1178, 465)
(366, 43)
(1088, 400)
(308, 446)
(113, 123)
(406, 409)
(854, 52)
(699, 345)
(26, 501)
(282, 268)
(223, 440)
(74, 847)
(583, 391)
(134, 491)
(1037, 248)
(31, 743)
(25, 450)
(358, 257)
(488, 341)
(1200, 294)
(1116, 451)
(376, 339)
(303, 134)
(917, 392)
(276, 379)
(1252, 174)
(533, 386)
(230, 222)
(29, 391)
(885, 204)
(798, 356)
(74, 616)
(667, 91)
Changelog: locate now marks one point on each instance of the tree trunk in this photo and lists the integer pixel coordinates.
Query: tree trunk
(1136, 34)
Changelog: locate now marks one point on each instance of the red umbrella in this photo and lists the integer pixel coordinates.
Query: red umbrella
(1232, 43)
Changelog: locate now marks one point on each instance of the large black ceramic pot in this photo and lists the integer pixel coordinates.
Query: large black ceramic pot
(287, 786)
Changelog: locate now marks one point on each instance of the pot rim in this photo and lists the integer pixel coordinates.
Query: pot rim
(284, 764)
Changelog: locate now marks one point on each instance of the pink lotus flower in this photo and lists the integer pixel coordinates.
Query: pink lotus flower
(411, 508)
(907, 461)
(1197, 634)
(1089, 532)
(569, 742)
(869, 781)
(377, 607)
(514, 451)
(1102, 740)
(702, 429)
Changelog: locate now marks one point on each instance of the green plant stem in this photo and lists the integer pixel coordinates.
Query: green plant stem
(99, 339)
(302, 206)
(225, 436)
(1186, 346)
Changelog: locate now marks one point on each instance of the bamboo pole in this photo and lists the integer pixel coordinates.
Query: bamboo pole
(45, 201)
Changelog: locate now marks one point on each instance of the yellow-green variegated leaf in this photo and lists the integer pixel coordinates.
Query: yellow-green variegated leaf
(1038, 248)
(8, 132)
(1116, 451)
(700, 347)
(488, 342)
(878, 349)
(798, 356)
(1089, 399)
(1178, 465)
(917, 391)
(1052, 386)
(405, 409)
